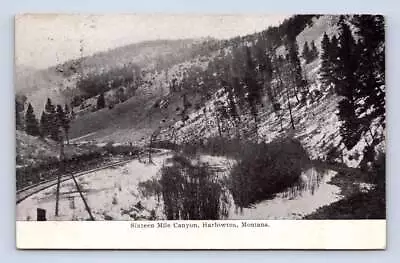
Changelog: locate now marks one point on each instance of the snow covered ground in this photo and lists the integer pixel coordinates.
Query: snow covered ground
(113, 194)
(295, 202)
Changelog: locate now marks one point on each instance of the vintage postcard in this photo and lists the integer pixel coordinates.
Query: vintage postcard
(161, 131)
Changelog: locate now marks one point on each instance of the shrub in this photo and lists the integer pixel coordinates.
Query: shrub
(109, 146)
(52, 167)
(149, 188)
(190, 192)
(333, 154)
(165, 145)
(114, 200)
(266, 169)
(120, 149)
(379, 170)
(214, 146)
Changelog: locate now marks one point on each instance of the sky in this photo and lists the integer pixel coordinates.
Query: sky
(43, 40)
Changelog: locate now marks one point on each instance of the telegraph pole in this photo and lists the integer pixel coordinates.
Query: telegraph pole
(60, 171)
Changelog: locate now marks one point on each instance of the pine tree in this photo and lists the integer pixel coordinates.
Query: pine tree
(18, 121)
(20, 101)
(66, 110)
(31, 123)
(51, 125)
(333, 50)
(325, 70)
(67, 120)
(252, 87)
(264, 68)
(60, 115)
(219, 112)
(61, 120)
(121, 95)
(314, 51)
(72, 113)
(233, 110)
(347, 62)
(44, 125)
(371, 70)
(101, 103)
(285, 81)
(236, 78)
(346, 86)
(350, 126)
(306, 53)
(49, 107)
(298, 83)
(48, 121)
(329, 60)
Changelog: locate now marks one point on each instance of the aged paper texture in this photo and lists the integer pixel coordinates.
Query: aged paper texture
(162, 131)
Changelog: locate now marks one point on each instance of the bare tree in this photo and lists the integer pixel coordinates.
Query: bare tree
(284, 85)
(153, 137)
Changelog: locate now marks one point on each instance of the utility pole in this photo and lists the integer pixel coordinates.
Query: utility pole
(82, 197)
(62, 154)
(61, 170)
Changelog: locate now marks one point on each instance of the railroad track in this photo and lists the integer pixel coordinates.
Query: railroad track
(26, 192)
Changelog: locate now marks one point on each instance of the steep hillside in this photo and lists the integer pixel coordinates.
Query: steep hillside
(316, 122)
(129, 121)
(59, 82)
(156, 104)
(138, 116)
(38, 85)
(32, 150)
(158, 54)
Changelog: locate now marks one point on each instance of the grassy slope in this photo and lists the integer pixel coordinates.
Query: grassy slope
(136, 118)
(59, 82)
(33, 150)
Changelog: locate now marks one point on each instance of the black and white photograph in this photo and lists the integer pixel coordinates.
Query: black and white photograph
(157, 117)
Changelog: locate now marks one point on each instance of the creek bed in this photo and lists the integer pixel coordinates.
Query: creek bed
(113, 194)
(313, 191)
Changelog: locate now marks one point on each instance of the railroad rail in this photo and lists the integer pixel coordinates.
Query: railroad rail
(28, 191)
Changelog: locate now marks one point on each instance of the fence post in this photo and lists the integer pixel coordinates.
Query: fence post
(57, 194)
(41, 214)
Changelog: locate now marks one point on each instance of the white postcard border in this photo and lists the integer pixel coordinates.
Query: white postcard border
(269, 234)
